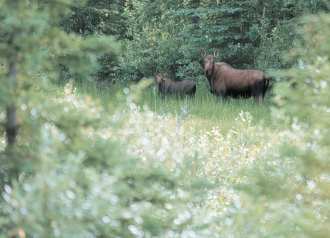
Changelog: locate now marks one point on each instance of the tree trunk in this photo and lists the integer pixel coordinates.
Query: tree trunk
(11, 125)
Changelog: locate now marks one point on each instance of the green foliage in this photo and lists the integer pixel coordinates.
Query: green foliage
(65, 175)
(77, 170)
(32, 37)
(101, 17)
(163, 39)
(293, 184)
(77, 182)
(31, 45)
(309, 79)
(170, 35)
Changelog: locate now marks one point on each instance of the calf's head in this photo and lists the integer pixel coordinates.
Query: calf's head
(208, 63)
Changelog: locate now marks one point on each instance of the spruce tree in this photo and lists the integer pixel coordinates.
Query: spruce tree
(31, 44)
(170, 35)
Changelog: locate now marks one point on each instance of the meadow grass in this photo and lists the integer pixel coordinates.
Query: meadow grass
(202, 111)
(217, 139)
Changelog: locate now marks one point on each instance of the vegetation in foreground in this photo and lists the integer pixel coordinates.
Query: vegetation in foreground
(80, 169)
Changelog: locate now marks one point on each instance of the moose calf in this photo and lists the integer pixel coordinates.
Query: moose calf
(178, 88)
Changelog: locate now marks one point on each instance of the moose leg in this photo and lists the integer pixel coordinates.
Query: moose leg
(259, 99)
(162, 95)
(221, 95)
(192, 91)
(257, 92)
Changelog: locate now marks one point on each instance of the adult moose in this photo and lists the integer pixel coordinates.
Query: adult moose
(226, 81)
(166, 85)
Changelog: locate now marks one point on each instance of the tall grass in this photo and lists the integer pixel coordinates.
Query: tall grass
(216, 138)
(207, 108)
(204, 110)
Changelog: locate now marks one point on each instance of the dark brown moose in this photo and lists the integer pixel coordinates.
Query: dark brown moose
(224, 80)
(166, 85)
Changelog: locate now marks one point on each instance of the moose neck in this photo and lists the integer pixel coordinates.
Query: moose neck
(211, 76)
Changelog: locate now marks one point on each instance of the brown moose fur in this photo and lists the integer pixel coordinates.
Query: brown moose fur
(166, 85)
(224, 80)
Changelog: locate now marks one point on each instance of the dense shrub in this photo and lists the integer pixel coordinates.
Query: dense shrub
(97, 17)
(77, 182)
(64, 174)
(32, 45)
(101, 17)
(289, 190)
(170, 35)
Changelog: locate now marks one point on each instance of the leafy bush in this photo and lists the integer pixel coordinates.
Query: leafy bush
(288, 193)
(101, 18)
(76, 182)
(171, 35)
(62, 175)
